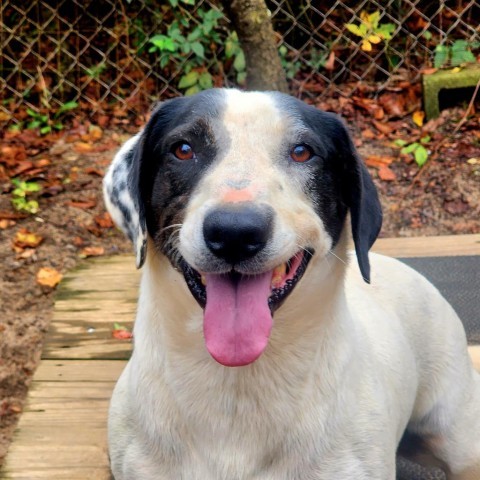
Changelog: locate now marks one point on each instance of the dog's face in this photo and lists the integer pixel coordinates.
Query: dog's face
(239, 191)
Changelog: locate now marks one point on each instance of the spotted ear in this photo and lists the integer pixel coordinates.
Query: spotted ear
(122, 195)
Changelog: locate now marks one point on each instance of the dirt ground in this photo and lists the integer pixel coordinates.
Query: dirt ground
(441, 198)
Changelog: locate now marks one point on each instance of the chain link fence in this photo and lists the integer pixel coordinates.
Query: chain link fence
(99, 54)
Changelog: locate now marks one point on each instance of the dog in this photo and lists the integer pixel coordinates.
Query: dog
(263, 348)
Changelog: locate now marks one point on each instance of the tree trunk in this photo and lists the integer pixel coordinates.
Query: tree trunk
(252, 23)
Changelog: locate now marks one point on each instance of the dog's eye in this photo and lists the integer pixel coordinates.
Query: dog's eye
(301, 153)
(183, 151)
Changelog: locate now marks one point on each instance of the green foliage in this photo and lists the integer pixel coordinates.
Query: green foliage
(44, 123)
(370, 30)
(192, 42)
(417, 149)
(19, 195)
(233, 50)
(459, 53)
(97, 70)
(291, 67)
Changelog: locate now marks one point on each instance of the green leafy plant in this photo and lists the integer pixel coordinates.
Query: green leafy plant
(290, 67)
(370, 30)
(458, 53)
(44, 123)
(417, 149)
(192, 48)
(235, 52)
(20, 193)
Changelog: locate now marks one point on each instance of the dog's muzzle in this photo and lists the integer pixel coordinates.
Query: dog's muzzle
(239, 305)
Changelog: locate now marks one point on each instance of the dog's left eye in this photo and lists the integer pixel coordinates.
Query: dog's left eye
(301, 153)
(183, 151)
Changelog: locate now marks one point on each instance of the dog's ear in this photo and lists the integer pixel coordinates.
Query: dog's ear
(122, 195)
(362, 199)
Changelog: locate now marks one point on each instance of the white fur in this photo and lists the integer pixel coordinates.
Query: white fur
(348, 367)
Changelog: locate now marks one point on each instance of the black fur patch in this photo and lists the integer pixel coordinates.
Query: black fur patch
(165, 183)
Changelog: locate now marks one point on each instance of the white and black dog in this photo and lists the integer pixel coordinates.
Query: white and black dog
(237, 204)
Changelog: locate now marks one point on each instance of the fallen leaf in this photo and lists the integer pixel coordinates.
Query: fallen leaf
(78, 241)
(386, 174)
(378, 161)
(330, 63)
(473, 161)
(418, 117)
(27, 253)
(5, 223)
(382, 127)
(26, 239)
(94, 171)
(12, 216)
(48, 277)
(95, 132)
(104, 220)
(368, 134)
(121, 334)
(83, 147)
(393, 104)
(84, 205)
(92, 252)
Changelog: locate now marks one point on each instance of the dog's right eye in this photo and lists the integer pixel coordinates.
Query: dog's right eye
(301, 153)
(183, 151)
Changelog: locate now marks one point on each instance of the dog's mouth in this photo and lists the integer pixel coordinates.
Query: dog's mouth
(238, 308)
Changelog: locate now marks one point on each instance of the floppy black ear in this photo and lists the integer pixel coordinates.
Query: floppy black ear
(365, 209)
(366, 215)
(122, 195)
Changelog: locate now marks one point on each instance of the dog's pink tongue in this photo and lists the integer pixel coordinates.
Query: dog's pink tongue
(237, 320)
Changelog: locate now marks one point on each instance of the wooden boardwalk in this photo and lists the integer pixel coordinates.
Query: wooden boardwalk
(62, 432)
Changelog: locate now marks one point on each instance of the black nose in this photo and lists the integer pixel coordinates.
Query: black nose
(237, 234)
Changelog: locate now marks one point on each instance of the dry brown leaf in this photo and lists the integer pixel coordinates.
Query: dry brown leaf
(104, 220)
(378, 161)
(330, 63)
(386, 174)
(368, 134)
(27, 253)
(95, 132)
(393, 104)
(94, 171)
(26, 239)
(5, 223)
(48, 277)
(92, 252)
(121, 334)
(84, 205)
(382, 127)
(83, 147)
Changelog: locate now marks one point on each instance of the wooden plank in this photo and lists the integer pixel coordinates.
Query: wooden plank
(54, 473)
(89, 301)
(62, 432)
(79, 371)
(439, 246)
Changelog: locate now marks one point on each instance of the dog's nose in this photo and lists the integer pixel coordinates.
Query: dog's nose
(236, 234)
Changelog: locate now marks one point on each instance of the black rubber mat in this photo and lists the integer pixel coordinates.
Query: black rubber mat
(458, 279)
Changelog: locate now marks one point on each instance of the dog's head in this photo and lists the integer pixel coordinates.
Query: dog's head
(240, 191)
